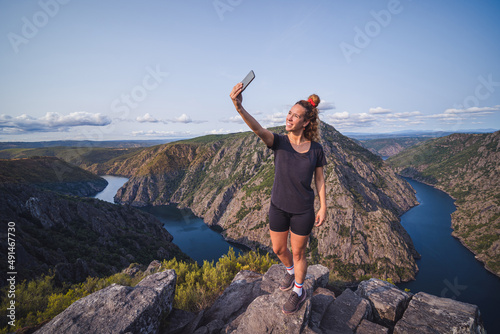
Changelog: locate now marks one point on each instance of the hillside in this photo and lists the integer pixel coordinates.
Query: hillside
(466, 166)
(227, 181)
(72, 236)
(98, 160)
(51, 173)
(387, 147)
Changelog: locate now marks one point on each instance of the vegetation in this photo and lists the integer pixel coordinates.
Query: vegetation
(197, 287)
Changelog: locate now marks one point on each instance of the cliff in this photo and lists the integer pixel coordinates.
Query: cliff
(73, 236)
(252, 304)
(466, 166)
(227, 181)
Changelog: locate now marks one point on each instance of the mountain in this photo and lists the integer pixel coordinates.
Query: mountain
(227, 180)
(82, 143)
(57, 231)
(98, 160)
(387, 147)
(466, 166)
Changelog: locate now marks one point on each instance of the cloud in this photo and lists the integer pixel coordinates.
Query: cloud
(323, 105)
(53, 121)
(473, 110)
(275, 119)
(379, 110)
(168, 134)
(147, 118)
(234, 119)
(183, 119)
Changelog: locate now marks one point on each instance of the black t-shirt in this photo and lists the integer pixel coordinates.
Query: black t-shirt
(293, 172)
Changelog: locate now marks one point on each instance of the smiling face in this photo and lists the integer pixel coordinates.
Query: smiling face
(295, 120)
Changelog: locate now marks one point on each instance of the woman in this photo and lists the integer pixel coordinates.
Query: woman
(297, 156)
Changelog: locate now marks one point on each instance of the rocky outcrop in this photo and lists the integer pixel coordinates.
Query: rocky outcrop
(227, 181)
(252, 304)
(119, 309)
(466, 166)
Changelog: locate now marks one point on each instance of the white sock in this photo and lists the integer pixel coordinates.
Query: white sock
(290, 270)
(297, 288)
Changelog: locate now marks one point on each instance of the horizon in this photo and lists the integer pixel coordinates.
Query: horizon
(163, 70)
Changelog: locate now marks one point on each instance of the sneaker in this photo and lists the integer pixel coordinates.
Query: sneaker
(293, 303)
(287, 282)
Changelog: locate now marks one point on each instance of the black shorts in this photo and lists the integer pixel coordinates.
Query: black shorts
(281, 221)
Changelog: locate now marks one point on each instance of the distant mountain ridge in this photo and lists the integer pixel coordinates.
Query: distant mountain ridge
(466, 166)
(227, 181)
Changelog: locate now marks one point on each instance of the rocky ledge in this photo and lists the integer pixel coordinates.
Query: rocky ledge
(252, 304)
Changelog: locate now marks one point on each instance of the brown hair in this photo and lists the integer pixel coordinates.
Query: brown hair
(311, 131)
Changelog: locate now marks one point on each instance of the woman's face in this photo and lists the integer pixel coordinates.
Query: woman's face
(295, 120)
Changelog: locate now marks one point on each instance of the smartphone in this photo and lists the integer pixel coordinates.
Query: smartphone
(250, 76)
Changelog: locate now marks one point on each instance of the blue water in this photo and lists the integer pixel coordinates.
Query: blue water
(447, 268)
(190, 233)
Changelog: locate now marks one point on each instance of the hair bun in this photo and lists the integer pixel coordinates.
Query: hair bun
(314, 100)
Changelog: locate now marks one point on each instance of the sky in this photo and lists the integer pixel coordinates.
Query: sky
(134, 70)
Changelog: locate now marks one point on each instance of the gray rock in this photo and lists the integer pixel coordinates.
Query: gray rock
(235, 299)
(345, 313)
(321, 299)
(430, 314)
(177, 321)
(368, 327)
(119, 309)
(388, 302)
(272, 278)
(264, 315)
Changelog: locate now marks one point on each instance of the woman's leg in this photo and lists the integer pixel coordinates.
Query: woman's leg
(299, 244)
(280, 247)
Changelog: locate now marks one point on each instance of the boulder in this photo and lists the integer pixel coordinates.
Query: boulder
(368, 327)
(345, 313)
(235, 299)
(264, 314)
(430, 314)
(321, 299)
(119, 309)
(388, 302)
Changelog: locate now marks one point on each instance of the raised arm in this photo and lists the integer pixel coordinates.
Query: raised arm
(264, 134)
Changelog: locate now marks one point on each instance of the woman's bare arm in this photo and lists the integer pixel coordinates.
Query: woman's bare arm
(319, 177)
(264, 134)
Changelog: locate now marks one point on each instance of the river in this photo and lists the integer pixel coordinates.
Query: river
(446, 269)
(190, 233)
